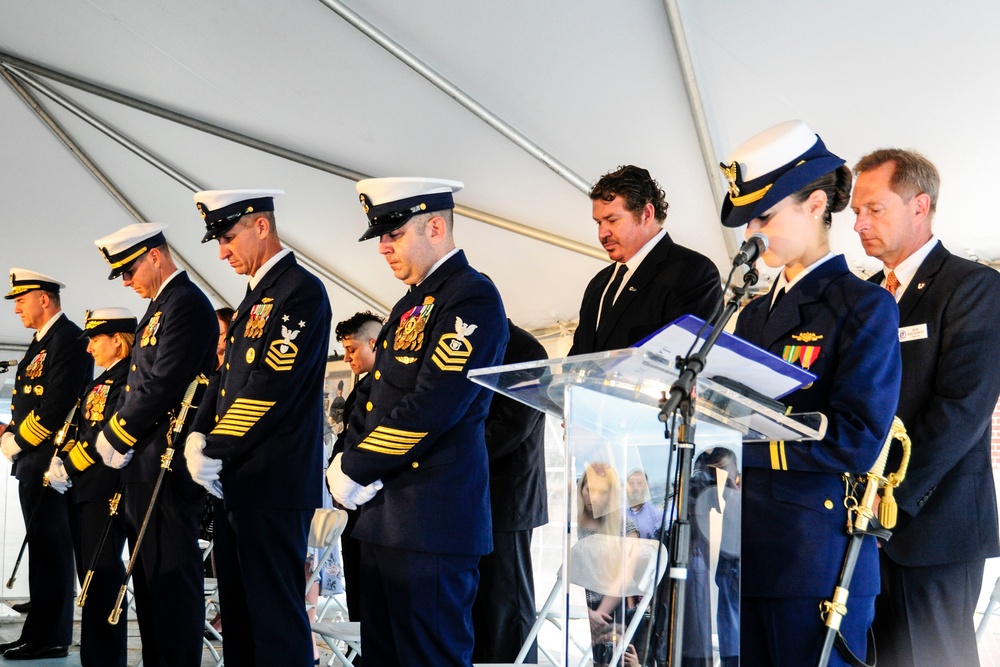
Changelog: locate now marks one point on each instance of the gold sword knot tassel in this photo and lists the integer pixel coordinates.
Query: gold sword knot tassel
(888, 511)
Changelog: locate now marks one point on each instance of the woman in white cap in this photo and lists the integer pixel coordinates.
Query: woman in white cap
(785, 184)
(111, 334)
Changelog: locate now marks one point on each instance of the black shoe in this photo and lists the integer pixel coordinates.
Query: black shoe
(9, 645)
(22, 607)
(29, 652)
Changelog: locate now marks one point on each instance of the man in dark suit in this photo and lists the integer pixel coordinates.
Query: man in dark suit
(932, 568)
(175, 342)
(257, 441)
(49, 379)
(421, 435)
(504, 610)
(653, 281)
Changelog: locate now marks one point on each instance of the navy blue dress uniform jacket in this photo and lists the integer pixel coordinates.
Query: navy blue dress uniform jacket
(794, 536)
(671, 281)
(951, 379)
(420, 429)
(176, 340)
(92, 480)
(263, 414)
(101, 644)
(49, 379)
(515, 440)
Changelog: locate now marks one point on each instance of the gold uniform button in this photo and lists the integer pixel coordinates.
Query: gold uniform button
(232, 339)
(385, 344)
(216, 418)
(128, 388)
(223, 392)
(369, 406)
(133, 366)
(828, 504)
(227, 366)
(415, 464)
(378, 375)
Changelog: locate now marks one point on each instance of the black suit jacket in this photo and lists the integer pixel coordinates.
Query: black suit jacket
(515, 441)
(671, 281)
(951, 380)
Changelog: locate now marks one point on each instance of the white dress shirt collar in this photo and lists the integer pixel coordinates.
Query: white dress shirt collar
(267, 266)
(906, 269)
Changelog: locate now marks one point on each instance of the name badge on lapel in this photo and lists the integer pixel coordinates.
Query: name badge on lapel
(915, 332)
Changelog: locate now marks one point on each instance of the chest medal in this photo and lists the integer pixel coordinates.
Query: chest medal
(96, 402)
(149, 333)
(410, 330)
(34, 369)
(805, 355)
(258, 318)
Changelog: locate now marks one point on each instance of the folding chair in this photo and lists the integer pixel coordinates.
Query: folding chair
(340, 632)
(211, 590)
(991, 605)
(324, 533)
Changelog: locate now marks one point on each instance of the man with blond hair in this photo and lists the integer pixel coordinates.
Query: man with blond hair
(932, 568)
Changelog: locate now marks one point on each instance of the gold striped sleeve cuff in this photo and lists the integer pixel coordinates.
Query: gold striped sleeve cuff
(79, 457)
(32, 431)
(241, 416)
(447, 357)
(778, 460)
(118, 428)
(392, 441)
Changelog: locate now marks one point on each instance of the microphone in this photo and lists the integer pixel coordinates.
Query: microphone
(752, 248)
(4, 365)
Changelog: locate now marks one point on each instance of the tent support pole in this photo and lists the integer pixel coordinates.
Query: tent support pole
(21, 65)
(457, 94)
(96, 171)
(187, 182)
(708, 150)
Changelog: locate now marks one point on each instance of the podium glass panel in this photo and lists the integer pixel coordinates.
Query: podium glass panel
(620, 472)
(643, 377)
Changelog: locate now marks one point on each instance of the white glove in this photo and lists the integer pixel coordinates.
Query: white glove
(203, 469)
(111, 457)
(345, 490)
(58, 477)
(8, 444)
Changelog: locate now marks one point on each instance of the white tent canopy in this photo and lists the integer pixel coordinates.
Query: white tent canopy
(527, 102)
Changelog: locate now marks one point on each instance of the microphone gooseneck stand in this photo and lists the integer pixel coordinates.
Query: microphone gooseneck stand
(681, 399)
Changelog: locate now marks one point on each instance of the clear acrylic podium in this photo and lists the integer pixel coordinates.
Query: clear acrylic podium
(618, 457)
